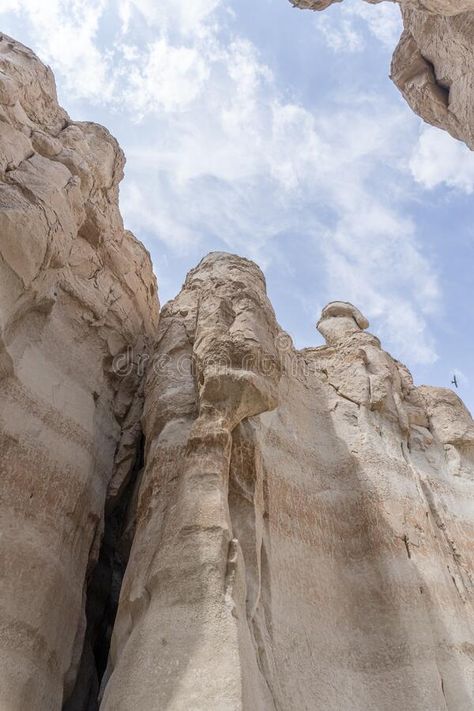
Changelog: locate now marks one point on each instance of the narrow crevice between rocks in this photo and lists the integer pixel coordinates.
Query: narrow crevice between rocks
(248, 514)
(103, 593)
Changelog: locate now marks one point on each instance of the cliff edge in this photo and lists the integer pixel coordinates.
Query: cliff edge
(76, 291)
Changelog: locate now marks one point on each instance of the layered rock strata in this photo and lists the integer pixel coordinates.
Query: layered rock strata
(181, 638)
(298, 525)
(76, 290)
(433, 64)
(305, 520)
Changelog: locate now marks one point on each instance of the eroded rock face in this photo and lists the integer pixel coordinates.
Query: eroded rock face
(438, 7)
(302, 527)
(305, 520)
(75, 291)
(433, 64)
(182, 639)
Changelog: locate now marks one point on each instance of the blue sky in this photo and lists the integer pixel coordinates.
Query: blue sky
(275, 133)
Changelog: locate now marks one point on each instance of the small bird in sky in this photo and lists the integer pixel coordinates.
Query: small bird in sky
(454, 381)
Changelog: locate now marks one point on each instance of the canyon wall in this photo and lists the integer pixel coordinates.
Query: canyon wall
(304, 524)
(294, 529)
(76, 290)
(433, 64)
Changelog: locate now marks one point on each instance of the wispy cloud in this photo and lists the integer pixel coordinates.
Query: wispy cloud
(437, 159)
(344, 27)
(171, 17)
(65, 36)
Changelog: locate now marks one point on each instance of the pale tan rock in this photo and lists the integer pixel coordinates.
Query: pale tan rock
(181, 640)
(433, 64)
(304, 539)
(313, 4)
(75, 291)
(438, 7)
(302, 529)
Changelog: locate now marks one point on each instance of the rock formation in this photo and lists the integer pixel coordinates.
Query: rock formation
(433, 64)
(181, 640)
(294, 529)
(305, 520)
(75, 291)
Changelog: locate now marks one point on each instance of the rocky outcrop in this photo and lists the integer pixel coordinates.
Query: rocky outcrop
(304, 523)
(438, 7)
(181, 639)
(294, 529)
(76, 290)
(433, 64)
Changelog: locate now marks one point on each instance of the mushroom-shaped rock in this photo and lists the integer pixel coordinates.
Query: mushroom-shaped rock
(340, 319)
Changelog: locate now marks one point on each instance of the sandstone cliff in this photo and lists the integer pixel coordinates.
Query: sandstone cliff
(433, 64)
(294, 529)
(75, 291)
(305, 520)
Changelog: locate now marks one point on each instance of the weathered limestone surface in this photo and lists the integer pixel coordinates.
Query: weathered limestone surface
(302, 527)
(433, 64)
(438, 7)
(182, 639)
(75, 291)
(305, 520)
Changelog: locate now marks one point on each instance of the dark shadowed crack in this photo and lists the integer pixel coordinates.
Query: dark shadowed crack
(103, 592)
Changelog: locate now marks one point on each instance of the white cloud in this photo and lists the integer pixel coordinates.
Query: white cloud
(168, 79)
(348, 27)
(383, 20)
(148, 71)
(142, 216)
(373, 260)
(340, 34)
(9, 5)
(169, 16)
(65, 35)
(439, 159)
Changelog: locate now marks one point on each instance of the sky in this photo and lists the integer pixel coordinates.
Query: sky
(253, 127)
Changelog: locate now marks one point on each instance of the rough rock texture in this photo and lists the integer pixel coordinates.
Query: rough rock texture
(433, 64)
(305, 520)
(438, 7)
(75, 291)
(181, 639)
(296, 530)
